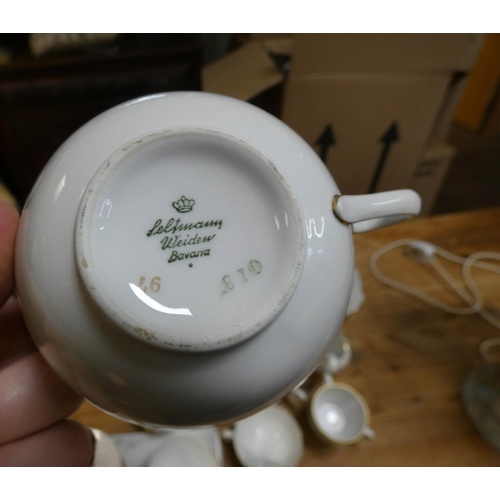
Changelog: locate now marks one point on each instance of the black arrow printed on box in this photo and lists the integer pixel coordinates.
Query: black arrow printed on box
(391, 135)
(325, 140)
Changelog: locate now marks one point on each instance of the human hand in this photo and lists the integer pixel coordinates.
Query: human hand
(34, 401)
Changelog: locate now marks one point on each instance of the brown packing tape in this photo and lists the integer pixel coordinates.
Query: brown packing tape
(483, 83)
(243, 74)
(491, 125)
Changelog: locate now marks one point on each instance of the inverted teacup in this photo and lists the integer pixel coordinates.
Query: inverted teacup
(138, 448)
(270, 438)
(172, 254)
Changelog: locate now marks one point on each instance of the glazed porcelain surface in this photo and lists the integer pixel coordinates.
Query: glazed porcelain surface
(338, 413)
(179, 262)
(138, 448)
(183, 451)
(338, 356)
(270, 438)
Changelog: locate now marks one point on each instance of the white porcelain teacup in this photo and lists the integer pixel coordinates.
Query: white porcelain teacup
(174, 252)
(200, 447)
(339, 414)
(270, 438)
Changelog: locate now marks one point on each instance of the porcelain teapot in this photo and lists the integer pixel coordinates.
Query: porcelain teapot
(186, 259)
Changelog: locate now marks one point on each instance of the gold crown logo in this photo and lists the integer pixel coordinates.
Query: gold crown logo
(183, 205)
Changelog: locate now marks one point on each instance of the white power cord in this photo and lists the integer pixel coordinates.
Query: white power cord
(425, 253)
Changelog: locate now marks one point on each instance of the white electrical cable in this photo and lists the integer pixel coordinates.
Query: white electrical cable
(425, 253)
(471, 261)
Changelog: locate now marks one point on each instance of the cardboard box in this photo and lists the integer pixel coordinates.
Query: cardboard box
(243, 74)
(431, 173)
(471, 53)
(369, 130)
(275, 43)
(491, 125)
(444, 119)
(385, 53)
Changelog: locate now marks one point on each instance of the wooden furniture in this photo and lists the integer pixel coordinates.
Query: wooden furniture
(409, 359)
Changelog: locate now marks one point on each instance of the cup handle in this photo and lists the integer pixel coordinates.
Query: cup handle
(369, 433)
(327, 377)
(371, 211)
(301, 394)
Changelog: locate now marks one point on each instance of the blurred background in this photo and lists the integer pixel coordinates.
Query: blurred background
(383, 111)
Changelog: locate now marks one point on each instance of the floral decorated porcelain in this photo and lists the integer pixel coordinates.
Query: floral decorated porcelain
(186, 259)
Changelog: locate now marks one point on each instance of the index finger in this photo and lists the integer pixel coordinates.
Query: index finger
(9, 220)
